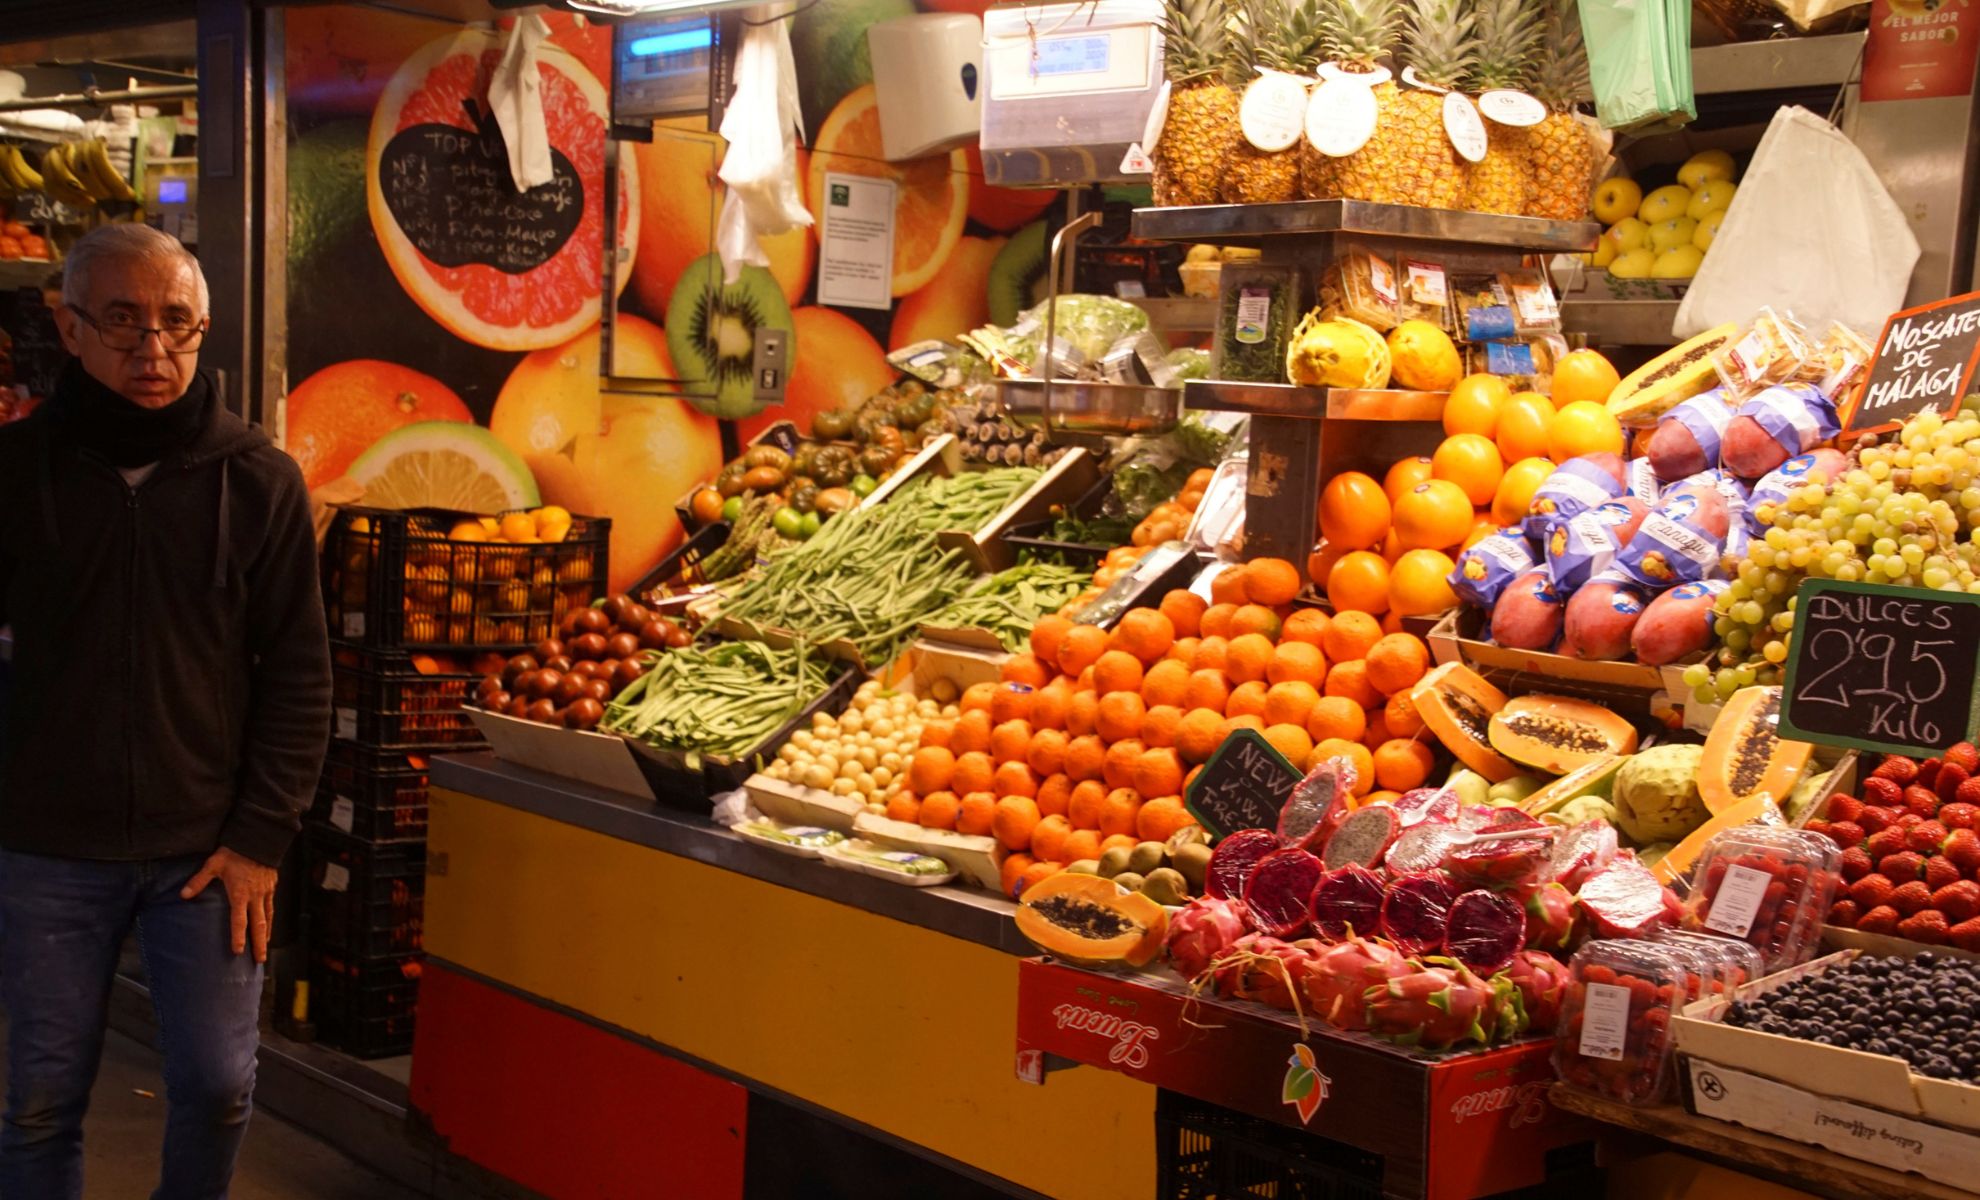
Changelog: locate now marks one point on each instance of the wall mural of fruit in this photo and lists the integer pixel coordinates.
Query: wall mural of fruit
(337, 413)
(680, 198)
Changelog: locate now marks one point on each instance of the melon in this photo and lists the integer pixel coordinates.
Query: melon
(1558, 734)
(1670, 379)
(1087, 919)
(1457, 705)
(1745, 754)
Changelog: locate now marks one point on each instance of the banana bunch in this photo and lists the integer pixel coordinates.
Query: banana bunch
(100, 178)
(61, 180)
(15, 173)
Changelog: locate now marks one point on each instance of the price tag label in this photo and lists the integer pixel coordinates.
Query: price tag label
(336, 877)
(1382, 277)
(1605, 1021)
(343, 814)
(1254, 309)
(1504, 106)
(1136, 161)
(1465, 127)
(1737, 901)
(347, 724)
(1340, 118)
(1882, 668)
(1158, 118)
(1426, 282)
(1273, 111)
(353, 624)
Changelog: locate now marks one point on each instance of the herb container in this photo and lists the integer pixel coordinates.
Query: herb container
(1257, 308)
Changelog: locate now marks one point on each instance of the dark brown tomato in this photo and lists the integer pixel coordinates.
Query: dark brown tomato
(519, 708)
(588, 646)
(627, 674)
(499, 702)
(653, 634)
(599, 689)
(521, 664)
(593, 620)
(545, 685)
(584, 714)
(569, 689)
(548, 649)
(542, 711)
(621, 645)
(558, 664)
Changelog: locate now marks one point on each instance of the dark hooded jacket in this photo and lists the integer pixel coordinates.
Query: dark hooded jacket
(171, 676)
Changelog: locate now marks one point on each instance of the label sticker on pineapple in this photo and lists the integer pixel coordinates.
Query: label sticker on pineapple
(1158, 116)
(1136, 161)
(1340, 118)
(1426, 282)
(1410, 77)
(1254, 308)
(1737, 901)
(1504, 106)
(343, 814)
(1605, 1021)
(1371, 78)
(1465, 127)
(1273, 111)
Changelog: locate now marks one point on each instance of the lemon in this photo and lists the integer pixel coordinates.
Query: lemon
(444, 464)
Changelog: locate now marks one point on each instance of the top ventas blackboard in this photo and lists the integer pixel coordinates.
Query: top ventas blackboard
(451, 191)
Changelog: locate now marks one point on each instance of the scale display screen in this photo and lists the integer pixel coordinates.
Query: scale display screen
(1073, 55)
(661, 67)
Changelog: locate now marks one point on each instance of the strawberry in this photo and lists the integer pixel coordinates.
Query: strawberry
(1959, 901)
(1817, 825)
(1881, 919)
(1896, 768)
(1843, 808)
(1927, 772)
(1961, 814)
(1911, 897)
(1880, 790)
(1928, 926)
(1966, 934)
(1902, 867)
(1969, 792)
(1940, 871)
(1871, 891)
(1921, 800)
(1963, 848)
(1856, 863)
(1876, 817)
(1908, 818)
(1925, 837)
(1885, 841)
(1845, 833)
(1951, 776)
(1843, 913)
(1966, 756)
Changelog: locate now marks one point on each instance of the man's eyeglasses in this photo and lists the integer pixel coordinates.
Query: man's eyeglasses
(122, 334)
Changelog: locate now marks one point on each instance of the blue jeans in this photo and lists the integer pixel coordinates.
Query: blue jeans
(62, 923)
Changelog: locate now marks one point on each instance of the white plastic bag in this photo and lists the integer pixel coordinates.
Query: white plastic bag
(761, 126)
(515, 92)
(1811, 230)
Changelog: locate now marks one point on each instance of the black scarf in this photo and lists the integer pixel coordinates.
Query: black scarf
(128, 435)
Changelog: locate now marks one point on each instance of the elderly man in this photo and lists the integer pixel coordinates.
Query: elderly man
(168, 716)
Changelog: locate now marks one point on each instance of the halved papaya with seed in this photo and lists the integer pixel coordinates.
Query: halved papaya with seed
(1457, 705)
(1088, 919)
(1559, 734)
(1745, 754)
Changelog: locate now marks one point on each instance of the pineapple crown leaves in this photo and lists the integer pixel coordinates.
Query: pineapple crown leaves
(1441, 42)
(1560, 77)
(1278, 35)
(1509, 33)
(1195, 39)
(1360, 33)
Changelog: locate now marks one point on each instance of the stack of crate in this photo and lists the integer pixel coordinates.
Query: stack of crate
(416, 618)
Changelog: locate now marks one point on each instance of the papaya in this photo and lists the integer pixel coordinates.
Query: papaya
(1745, 754)
(1679, 859)
(1087, 919)
(1597, 778)
(1457, 705)
(1670, 379)
(1558, 734)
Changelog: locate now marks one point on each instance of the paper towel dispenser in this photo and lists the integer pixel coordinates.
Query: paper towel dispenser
(1068, 90)
(927, 82)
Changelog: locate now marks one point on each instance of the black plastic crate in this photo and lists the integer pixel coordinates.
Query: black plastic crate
(391, 699)
(395, 579)
(675, 575)
(365, 899)
(375, 795)
(364, 1007)
(1206, 1152)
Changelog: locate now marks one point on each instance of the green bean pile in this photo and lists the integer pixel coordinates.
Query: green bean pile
(1010, 602)
(721, 700)
(968, 501)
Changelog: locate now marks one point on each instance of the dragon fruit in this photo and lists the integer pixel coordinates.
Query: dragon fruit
(1202, 931)
(1624, 900)
(1415, 912)
(1338, 979)
(1363, 838)
(1232, 860)
(1418, 805)
(1264, 968)
(1347, 901)
(1318, 804)
(1422, 848)
(1435, 1008)
(1542, 982)
(1279, 894)
(1487, 819)
(1553, 922)
(1484, 931)
(1581, 851)
(1499, 860)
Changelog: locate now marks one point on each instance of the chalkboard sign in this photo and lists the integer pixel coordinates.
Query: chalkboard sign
(38, 353)
(1882, 668)
(1243, 786)
(1924, 360)
(451, 191)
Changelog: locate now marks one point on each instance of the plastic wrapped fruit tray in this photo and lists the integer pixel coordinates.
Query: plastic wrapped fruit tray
(392, 700)
(394, 579)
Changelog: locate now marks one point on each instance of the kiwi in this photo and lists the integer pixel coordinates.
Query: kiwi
(1165, 885)
(1085, 866)
(1145, 857)
(1114, 861)
(1017, 275)
(1188, 835)
(1129, 880)
(1193, 861)
(711, 333)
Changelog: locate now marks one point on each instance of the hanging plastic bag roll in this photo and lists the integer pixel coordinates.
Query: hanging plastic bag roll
(515, 93)
(1639, 63)
(761, 127)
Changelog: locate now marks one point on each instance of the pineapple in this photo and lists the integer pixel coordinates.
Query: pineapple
(1560, 158)
(1428, 171)
(1277, 35)
(1508, 37)
(1201, 129)
(1358, 34)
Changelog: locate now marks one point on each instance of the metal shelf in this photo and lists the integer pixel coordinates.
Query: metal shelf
(1621, 322)
(1292, 400)
(1228, 223)
(1782, 64)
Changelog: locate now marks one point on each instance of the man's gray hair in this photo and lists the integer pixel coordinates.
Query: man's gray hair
(124, 240)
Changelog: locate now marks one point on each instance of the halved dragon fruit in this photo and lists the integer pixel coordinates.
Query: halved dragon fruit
(1418, 805)
(1348, 901)
(1500, 860)
(1416, 910)
(1202, 931)
(1435, 1008)
(1553, 922)
(1624, 900)
(1484, 931)
(1423, 848)
(1482, 818)
(1318, 804)
(1542, 982)
(1580, 851)
(1232, 860)
(1363, 838)
(1264, 968)
(1279, 893)
(1338, 979)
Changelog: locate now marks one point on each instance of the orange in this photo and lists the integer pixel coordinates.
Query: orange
(337, 413)
(931, 769)
(1081, 648)
(1421, 583)
(1523, 426)
(1250, 656)
(972, 732)
(937, 733)
(1211, 654)
(939, 810)
(1290, 740)
(1297, 662)
(1049, 704)
(1397, 662)
(1255, 618)
(1011, 872)
(1401, 765)
(1405, 474)
(1014, 820)
(1207, 689)
(1271, 581)
(1289, 703)
(1350, 681)
(1167, 682)
(1227, 586)
(1046, 634)
(1082, 714)
(975, 772)
(1144, 633)
(1471, 461)
(1354, 511)
(1184, 609)
(1046, 752)
(1084, 844)
(902, 806)
(1247, 700)
(1184, 649)
(1048, 837)
(1120, 715)
(1199, 735)
(1393, 623)
(1307, 625)
(931, 193)
(1484, 525)
(1123, 840)
(1117, 814)
(1584, 375)
(1158, 772)
(1474, 404)
(1054, 794)
(1191, 778)
(1085, 758)
(1359, 583)
(1355, 753)
(1584, 427)
(1351, 635)
(977, 695)
(1378, 728)
(1158, 728)
(1015, 779)
(1216, 622)
(1159, 819)
(1121, 757)
(1083, 807)
(1025, 669)
(1117, 671)
(1010, 702)
(1336, 717)
(1381, 797)
(1322, 561)
(1251, 721)
(1400, 716)
(978, 812)
(1434, 515)
(1392, 547)
(1085, 681)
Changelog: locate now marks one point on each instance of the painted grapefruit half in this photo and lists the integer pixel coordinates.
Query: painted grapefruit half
(337, 413)
(931, 201)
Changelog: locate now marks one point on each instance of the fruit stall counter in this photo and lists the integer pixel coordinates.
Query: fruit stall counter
(607, 982)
